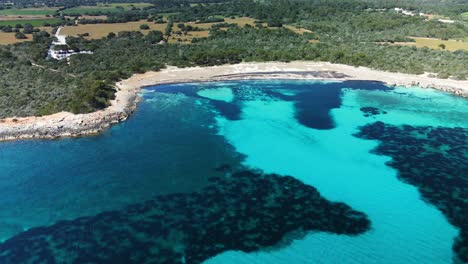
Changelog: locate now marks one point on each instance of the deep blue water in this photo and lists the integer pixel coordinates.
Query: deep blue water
(184, 134)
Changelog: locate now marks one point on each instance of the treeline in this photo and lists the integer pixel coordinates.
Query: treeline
(348, 32)
(85, 83)
(349, 20)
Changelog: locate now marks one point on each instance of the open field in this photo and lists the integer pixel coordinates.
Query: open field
(104, 8)
(188, 38)
(450, 45)
(241, 21)
(297, 30)
(28, 11)
(34, 22)
(9, 38)
(101, 30)
(11, 17)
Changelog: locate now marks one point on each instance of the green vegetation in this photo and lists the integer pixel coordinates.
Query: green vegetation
(100, 8)
(33, 22)
(20, 35)
(350, 33)
(28, 11)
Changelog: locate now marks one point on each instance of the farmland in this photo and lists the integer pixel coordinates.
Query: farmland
(101, 30)
(34, 22)
(9, 38)
(97, 32)
(28, 11)
(104, 8)
(450, 45)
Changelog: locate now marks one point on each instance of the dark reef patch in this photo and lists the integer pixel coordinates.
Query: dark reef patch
(371, 111)
(247, 211)
(435, 159)
(313, 100)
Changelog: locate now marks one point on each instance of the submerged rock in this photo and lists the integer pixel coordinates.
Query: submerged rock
(371, 111)
(246, 211)
(435, 159)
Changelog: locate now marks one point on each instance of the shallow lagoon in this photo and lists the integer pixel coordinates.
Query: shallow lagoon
(305, 129)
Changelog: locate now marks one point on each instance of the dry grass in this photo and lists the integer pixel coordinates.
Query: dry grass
(102, 30)
(188, 38)
(241, 21)
(432, 43)
(294, 29)
(9, 38)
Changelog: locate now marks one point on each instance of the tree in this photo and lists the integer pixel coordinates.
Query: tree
(144, 27)
(20, 35)
(168, 30)
(442, 46)
(28, 28)
(154, 36)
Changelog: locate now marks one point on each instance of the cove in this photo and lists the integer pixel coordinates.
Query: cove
(213, 158)
(348, 171)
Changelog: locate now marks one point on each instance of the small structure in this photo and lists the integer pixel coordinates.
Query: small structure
(62, 53)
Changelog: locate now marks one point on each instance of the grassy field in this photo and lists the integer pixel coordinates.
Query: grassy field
(28, 11)
(104, 8)
(451, 45)
(29, 17)
(34, 22)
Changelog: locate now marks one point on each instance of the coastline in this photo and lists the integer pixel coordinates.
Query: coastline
(65, 124)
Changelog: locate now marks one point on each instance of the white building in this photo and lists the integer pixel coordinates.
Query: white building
(62, 54)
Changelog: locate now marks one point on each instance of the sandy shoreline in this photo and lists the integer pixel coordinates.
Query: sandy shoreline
(69, 125)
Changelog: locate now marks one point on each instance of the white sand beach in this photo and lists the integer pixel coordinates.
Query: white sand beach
(66, 124)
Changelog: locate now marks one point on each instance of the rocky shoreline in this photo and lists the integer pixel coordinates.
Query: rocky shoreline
(66, 124)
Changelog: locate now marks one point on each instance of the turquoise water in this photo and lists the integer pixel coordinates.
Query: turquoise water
(184, 134)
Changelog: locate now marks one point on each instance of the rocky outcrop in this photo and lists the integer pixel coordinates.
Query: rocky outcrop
(66, 124)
